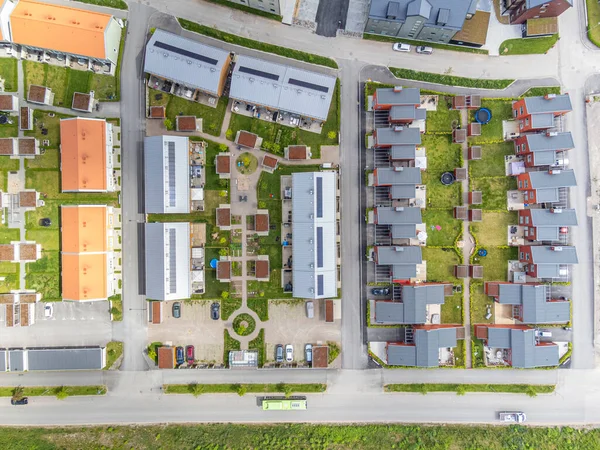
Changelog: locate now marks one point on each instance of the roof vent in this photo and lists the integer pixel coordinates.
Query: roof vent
(189, 61)
(551, 133)
(399, 249)
(549, 96)
(212, 69)
(399, 208)
(251, 80)
(554, 171)
(397, 88)
(556, 210)
(398, 169)
(398, 128)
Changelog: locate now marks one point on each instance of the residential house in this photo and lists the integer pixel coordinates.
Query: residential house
(423, 20)
(168, 257)
(538, 113)
(61, 32)
(402, 181)
(40, 94)
(516, 346)
(546, 186)
(194, 67)
(315, 237)
(547, 225)
(297, 153)
(9, 103)
(261, 222)
(531, 303)
(521, 11)
(86, 155)
(403, 261)
(547, 262)
(396, 136)
(223, 165)
(401, 103)
(284, 89)
(87, 253)
(544, 149)
(413, 306)
(166, 174)
(430, 346)
(401, 221)
(83, 102)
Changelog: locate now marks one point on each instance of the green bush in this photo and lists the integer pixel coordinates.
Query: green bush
(450, 80)
(244, 324)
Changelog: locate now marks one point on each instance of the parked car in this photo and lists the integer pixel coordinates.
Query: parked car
(45, 222)
(310, 309)
(177, 310)
(289, 353)
(380, 291)
(567, 328)
(48, 310)
(308, 353)
(214, 311)
(400, 47)
(279, 353)
(540, 333)
(20, 401)
(179, 355)
(423, 50)
(189, 354)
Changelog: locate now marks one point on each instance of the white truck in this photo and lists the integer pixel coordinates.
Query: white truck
(512, 416)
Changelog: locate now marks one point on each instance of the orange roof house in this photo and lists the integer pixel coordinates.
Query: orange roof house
(64, 29)
(86, 155)
(86, 249)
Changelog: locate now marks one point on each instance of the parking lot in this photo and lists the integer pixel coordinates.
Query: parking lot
(194, 327)
(288, 324)
(72, 324)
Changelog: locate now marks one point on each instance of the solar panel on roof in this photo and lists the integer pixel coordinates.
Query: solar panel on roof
(319, 197)
(172, 261)
(319, 247)
(181, 51)
(172, 193)
(258, 73)
(320, 285)
(314, 87)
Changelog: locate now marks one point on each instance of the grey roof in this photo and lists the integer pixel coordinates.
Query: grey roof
(389, 312)
(406, 96)
(510, 293)
(498, 337)
(542, 254)
(527, 355)
(403, 231)
(546, 271)
(547, 233)
(540, 142)
(314, 249)
(416, 299)
(168, 256)
(404, 271)
(16, 360)
(402, 191)
(283, 88)
(533, 298)
(75, 358)
(398, 135)
(403, 112)
(542, 179)
(398, 255)
(402, 355)
(544, 217)
(426, 349)
(403, 151)
(544, 158)
(427, 9)
(534, 3)
(420, 114)
(185, 61)
(167, 188)
(3, 360)
(400, 175)
(542, 120)
(546, 195)
(540, 104)
(395, 216)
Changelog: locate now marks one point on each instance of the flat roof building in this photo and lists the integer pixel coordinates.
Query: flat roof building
(60, 358)
(314, 227)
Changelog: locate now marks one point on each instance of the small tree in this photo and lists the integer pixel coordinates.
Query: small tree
(331, 135)
(196, 389)
(225, 295)
(17, 393)
(222, 241)
(61, 392)
(262, 204)
(241, 389)
(229, 134)
(246, 161)
(276, 148)
(461, 389)
(287, 390)
(223, 147)
(168, 124)
(223, 252)
(531, 392)
(222, 193)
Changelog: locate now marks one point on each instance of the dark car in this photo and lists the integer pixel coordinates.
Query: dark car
(21, 401)
(45, 222)
(380, 291)
(279, 353)
(214, 311)
(189, 354)
(177, 310)
(179, 356)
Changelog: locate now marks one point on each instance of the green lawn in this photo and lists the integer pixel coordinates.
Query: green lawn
(593, 16)
(495, 264)
(277, 137)
(492, 131)
(480, 301)
(442, 156)
(449, 80)
(229, 306)
(51, 391)
(260, 306)
(440, 264)
(57, 79)
(452, 309)
(492, 231)
(79, 81)
(460, 389)
(438, 195)
(114, 349)
(450, 227)
(119, 4)
(537, 91)
(259, 345)
(491, 163)
(9, 130)
(251, 388)
(441, 120)
(257, 45)
(7, 235)
(42, 119)
(8, 72)
(47, 181)
(528, 46)
(212, 118)
(105, 87)
(493, 191)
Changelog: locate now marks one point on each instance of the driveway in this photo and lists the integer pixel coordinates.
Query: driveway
(72, 324)
(194, 327)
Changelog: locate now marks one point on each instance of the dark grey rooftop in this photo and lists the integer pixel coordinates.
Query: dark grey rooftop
(403, 231)
(413, 308)
(403, 151)
(542, 120)
(405, 96)
(543, 254)
(544, 217)
(543, 179)
(403, 112)
(403, 191)
(426, 349)
(398, 135)
(396, 255)
(547, 195)
(536, 105)
(395, 216)
(533, 298)
(547, 158)
(541, 142)
(432, 11)
(399, 175)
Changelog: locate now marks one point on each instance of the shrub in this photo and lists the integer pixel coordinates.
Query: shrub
(331, 135)
(61, 392)
(229, 134)
(262, 204)
(225, 295)
(196, 389)
(223, 147)
(241, 390)
(169, 124)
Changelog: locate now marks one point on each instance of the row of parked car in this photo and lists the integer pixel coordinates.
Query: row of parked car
(214, 310)
(187, 355)
(289, 353)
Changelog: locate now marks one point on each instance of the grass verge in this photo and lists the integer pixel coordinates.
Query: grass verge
(114, 350)
(450, 80)
(529, 389)
(257, 45)
(229, 344)
(118, 4)
(260, 388)
(260, 306)
(117, 310)
(453, 48)
(593, 18)
(53, 391)
(528, 46)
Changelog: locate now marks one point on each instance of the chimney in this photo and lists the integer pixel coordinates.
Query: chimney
(549, 96)
(397, 88)
(556, 249)
(399, 208)
(398, 128)
(554, 171)
(551, 133)
(398, 169)
(399, 249)
(556, 210)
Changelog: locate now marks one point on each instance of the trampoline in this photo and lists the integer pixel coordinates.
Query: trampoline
(213, 263)
(447, 178)
(483, 115)
(482, 252)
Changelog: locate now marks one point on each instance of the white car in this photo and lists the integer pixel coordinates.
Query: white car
(423, 50)
(400, 47)
(289, 353)
(48, 311)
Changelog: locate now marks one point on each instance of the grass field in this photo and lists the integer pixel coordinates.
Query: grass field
(493, 229)
(119, 4)
(449, 80)
(493, 191)
(528, 389)
(528, 46)
(450, 227)
(492, 131)
(51, 391)
(440, 263)
(441, 120)
(593, 16)
(8, 72)
(114, 350)
(295, 388)
(212, 118)
(480, 301)
(491, 163)
(495, 264)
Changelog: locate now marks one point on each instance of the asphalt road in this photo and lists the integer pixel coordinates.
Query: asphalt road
(331, 16)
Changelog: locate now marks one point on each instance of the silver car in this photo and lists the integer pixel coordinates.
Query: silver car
(308, 353)
(400, 47)
(423, 50)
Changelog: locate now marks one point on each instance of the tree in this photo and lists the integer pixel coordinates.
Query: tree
(196, 389)
(262, 204)
(223, 147)
(287, 390)
(225, 295)
(241, 389)
(222, 193)
(229, 134)
(331, 135)
(223, 251)
(18, 393)
(168, 124)
(246, 161)
(61, 392)
(222, 241)
(461, 389)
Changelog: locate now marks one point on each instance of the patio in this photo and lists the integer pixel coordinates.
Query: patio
(279, 117)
